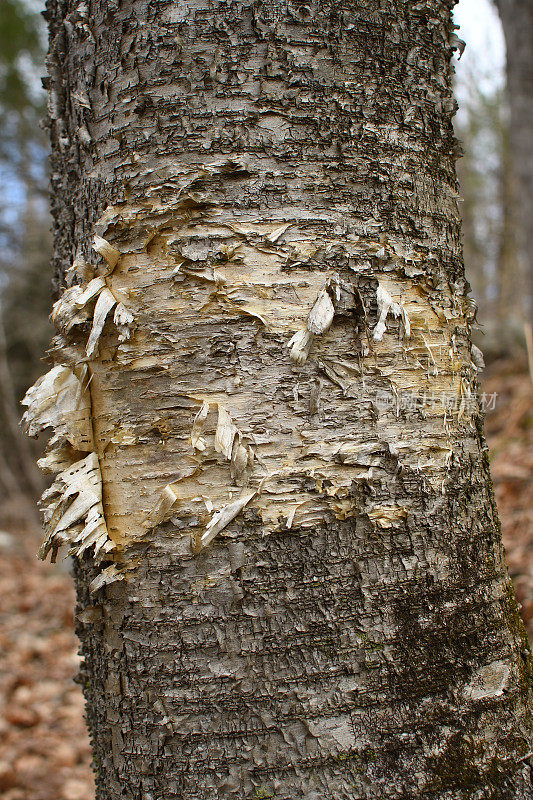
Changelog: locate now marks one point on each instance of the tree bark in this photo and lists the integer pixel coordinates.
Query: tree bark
(509, 259)
(289, 568)
(517, 22)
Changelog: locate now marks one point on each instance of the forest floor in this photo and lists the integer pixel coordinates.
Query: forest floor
(45, 753)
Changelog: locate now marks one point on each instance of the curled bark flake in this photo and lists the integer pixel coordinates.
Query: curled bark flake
(322, 313)
(110, 574)
(386, 306)
(91, 290)
(242, 458)
(228, 440)
(168, 500)
(164, 506)
(465, 394)
(72, 506)
(71, 308)
(197, 441)
(123, 319)
(335, 297)
(225, 433)
(477, 358)
(73, 512)
(292, 513)
(300, 345)
(109, 253)
(457, 44)
(103, 306)
(406, 322)
(80, 271)
(221, 519)
(58, 459)
(59, 400)
(277, 233)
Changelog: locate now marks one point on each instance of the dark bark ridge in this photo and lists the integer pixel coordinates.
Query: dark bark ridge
(362, 654)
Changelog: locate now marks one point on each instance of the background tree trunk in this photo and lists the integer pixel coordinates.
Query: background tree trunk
(20, 471)
(310, 597)
(510, 274)
(517, 21)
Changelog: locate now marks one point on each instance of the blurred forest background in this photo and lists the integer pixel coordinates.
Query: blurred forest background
(45, 751)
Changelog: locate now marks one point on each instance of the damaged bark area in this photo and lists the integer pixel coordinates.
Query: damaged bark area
(271, 467)
(72, 506)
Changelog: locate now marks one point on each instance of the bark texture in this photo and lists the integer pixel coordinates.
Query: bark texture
(517, 21)
(284, 460)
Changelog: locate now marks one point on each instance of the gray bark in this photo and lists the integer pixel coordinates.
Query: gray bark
(295, 488)
(517, 21)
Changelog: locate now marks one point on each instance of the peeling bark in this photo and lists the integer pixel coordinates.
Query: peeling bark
(303, 589)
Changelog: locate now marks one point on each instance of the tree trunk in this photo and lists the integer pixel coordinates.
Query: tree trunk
(17, 457)
(272, 470)
(509, 262)
(517, 21)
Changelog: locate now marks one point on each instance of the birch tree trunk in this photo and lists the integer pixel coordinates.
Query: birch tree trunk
(271, 463)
